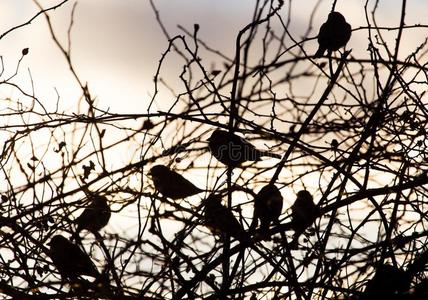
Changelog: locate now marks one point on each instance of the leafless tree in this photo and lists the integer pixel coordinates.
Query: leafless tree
(350, 128)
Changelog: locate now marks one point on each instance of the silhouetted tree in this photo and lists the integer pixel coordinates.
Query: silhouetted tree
(349, 130)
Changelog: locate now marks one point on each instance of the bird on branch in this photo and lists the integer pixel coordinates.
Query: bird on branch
(95, 216)
(303, 214)
(233, 150)
(70, 260)
(171, 184)
(267, 208)
(333, 35)
(220, 219)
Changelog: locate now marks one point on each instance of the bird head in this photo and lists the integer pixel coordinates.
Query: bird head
(57, 241)
(304, 195)
(158, 170)
(217, 136)
(212, 200)
(335, 16)
(99, 200)
(271, 189)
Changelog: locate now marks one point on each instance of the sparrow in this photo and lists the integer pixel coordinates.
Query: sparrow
(333, 34)
(233, 150)
(69, 259)
(303, 213)
(421, 290)
(220, 220)
(95, 216)
(419, 264)
(387, 283)
(171, 184)
(267, 207)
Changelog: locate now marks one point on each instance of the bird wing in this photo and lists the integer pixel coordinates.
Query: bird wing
(222, 220)
(95, 216)
(181, 186)
(323, 34)
(267, 206)
(82, 263)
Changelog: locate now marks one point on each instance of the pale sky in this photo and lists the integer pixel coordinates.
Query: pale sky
(116, 44)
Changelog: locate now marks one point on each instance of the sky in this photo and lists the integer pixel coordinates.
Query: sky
(116, 45)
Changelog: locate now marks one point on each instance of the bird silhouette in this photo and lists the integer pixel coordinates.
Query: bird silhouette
(171, 184)
(421, 290)
(333, 34)
(220, 220)
(233, 150)
(419, 264)
(303, 214)
(70, 260)
(95, 216)
(389, 282)
(267, 208)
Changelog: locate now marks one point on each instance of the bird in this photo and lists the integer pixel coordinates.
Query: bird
(220, 220)
(233, 150)
(421, 290)
(95, 216)
(419, 264)
(334, 144)
(389, 282)
(267, 207)
(69, 259)
(303, 214)
(171, 184)
(333, 35)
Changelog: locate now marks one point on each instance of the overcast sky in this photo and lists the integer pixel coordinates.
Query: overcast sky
(116, 44)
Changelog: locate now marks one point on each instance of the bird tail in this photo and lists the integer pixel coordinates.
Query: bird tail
(75, 237)
(253, 226)
(102, 280)
(245, 238)
(264, 232)
(320, 52)
(240, 234)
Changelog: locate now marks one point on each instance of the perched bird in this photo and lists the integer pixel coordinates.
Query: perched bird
(333, 34)
(267, 207)
(69, 259)
(95, 216)
(334, 144)
(171, 184)
(389, 282)
(219, 219)
(233, 150)
(419, 264)
(303, 213)
(421, 290)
